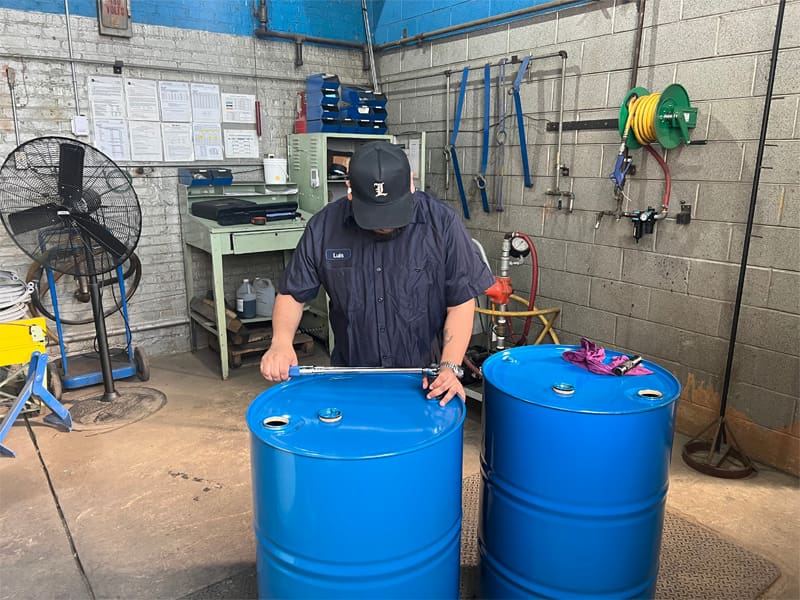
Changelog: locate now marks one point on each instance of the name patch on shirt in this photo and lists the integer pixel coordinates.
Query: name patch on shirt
(338, 254)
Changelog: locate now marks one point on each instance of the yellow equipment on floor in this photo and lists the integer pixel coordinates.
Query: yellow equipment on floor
(22, 346)
(20, 339)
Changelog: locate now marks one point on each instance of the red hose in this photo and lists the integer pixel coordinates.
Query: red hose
(534, 288)
(667, 178)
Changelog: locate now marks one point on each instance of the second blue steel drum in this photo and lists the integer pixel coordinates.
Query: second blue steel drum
(356, 488)
(575, 472)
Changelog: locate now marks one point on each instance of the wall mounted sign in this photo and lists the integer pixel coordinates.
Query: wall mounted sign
(114, 18)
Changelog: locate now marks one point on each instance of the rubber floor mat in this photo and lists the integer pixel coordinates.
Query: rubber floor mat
(695, 562)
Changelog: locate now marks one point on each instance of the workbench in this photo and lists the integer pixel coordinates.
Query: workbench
(219, 241)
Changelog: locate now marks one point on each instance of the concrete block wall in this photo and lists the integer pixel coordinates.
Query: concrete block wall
(35, 45)
(670, 296)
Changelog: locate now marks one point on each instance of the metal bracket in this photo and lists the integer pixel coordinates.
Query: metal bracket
(581, 125)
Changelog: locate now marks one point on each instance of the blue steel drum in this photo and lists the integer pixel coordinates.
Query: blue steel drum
(356, 488)
(574, 477)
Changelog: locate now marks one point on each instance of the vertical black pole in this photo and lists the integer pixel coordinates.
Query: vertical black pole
(637, 42)
(99, 324)
(750, 216)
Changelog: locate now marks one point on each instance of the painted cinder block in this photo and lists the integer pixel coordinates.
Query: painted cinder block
(620, 298)
(776, 371)
(655, 270)
(686, 312)
(595, 260)
(583, 321)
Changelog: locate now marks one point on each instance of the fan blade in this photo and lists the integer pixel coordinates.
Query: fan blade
(34, 218)
(101, 235)
(70, 173)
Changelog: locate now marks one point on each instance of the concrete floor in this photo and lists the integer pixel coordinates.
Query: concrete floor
(161, 507)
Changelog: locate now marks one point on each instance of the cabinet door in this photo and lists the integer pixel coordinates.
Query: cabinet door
(306, 156)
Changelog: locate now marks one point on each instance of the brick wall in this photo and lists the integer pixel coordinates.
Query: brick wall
(35, 45)
(669, 296)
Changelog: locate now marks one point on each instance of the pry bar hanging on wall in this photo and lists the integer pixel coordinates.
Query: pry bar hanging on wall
(523, 145)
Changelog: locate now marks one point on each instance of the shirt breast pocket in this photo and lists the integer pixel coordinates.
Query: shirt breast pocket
(417, 287)
(345, 288)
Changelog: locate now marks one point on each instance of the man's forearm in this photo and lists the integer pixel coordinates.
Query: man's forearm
(286, 316)
(457, 331)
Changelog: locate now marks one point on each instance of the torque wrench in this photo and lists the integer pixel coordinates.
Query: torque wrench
(295, 371)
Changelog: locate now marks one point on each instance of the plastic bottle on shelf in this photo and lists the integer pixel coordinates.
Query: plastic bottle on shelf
(246, 300)
(265, 296)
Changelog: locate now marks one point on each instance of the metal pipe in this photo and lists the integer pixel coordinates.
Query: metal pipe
(509, 61)
(557, 190)
(637, 42)
(72, 60)
(266, 34)
(263, 33)
(280, 78)
(447, 137)
(501, 327)
(751, 214)
(368, 35)
(561, 120)
(11, 79)
(82, 337)
(262, 13)
(476, 23)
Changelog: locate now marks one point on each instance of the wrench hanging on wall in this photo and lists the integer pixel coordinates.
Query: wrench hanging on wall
(480, 178)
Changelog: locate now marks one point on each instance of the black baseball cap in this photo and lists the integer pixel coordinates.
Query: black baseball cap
(380, 183)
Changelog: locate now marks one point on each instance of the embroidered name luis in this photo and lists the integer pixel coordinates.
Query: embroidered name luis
(338, 254)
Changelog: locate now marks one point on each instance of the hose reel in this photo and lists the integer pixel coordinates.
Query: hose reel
(666, 117)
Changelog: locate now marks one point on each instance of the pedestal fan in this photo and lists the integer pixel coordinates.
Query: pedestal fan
(73, 210)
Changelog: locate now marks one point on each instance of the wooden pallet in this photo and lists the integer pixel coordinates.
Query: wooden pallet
(257, 342)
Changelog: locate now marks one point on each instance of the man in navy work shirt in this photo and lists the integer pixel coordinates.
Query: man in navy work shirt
(401, 272)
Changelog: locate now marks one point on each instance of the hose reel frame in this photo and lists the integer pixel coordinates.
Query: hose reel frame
(672, 119)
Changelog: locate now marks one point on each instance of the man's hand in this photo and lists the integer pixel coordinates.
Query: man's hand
(276, 362)
(446, 385)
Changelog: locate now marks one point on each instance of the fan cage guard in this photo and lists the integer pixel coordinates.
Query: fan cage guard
(47, 209)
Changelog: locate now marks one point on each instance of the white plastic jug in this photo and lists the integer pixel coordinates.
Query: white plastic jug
(265, 296)
(245, 301)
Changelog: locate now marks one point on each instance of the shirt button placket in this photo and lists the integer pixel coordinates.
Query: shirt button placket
(380, 311)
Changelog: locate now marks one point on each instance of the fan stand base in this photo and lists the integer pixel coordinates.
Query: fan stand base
(110, 396)
(720, 456)
(91, 411)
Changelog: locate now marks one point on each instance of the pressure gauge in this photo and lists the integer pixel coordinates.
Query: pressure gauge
(519, 247)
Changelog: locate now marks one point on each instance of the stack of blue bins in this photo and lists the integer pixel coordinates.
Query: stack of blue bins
(322, 103)
(365, 108)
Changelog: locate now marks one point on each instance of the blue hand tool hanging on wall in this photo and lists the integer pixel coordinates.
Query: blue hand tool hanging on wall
(456, 169)
(523, 144)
